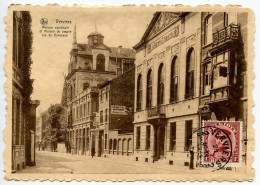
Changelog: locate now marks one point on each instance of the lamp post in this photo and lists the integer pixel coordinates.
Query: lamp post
(118, 51)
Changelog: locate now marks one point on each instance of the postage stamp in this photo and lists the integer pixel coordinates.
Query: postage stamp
(127, 93)
(221, 143)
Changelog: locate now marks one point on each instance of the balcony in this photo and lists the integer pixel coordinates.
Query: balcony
(156, 113)
(225, 35)
(219, 94)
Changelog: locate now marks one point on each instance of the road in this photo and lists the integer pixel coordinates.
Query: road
(62, 163)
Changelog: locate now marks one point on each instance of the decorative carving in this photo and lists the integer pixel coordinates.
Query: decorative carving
(182, 40)
(228, 33)
(168, 48)
(161, 55)
(149, 62)
(139, 68)
(191, 39)
(175, 48)
(172, 34)
(163, 21)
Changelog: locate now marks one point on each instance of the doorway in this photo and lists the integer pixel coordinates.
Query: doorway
(159, 141)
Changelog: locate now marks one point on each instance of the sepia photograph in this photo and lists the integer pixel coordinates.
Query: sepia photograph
(129, 93)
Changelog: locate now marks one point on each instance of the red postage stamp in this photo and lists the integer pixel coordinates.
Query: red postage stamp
(221, 143)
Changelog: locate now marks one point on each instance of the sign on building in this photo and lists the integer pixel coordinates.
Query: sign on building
(119, 110)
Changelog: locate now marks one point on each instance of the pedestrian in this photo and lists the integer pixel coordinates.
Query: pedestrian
(72, 151)
(39, 146)
(191, 157)
(92, 152)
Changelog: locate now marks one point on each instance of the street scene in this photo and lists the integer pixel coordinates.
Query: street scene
(105, 92)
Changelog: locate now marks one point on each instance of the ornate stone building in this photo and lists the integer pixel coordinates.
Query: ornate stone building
(224, 68)
(167, 87)
(91, 64)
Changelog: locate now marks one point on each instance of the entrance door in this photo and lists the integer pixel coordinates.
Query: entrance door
(161, 140)
(101, 143)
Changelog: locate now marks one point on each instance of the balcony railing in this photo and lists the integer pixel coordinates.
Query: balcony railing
(228, 33)
(219, 94)
(156, 112)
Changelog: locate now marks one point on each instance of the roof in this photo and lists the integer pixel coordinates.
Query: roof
(86, 49)
(174, 17)
(95, 33)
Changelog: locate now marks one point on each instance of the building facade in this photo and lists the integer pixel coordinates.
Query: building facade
(114, 130)
(167, 87)
(23, 110)
(224, 68)
(91, 64)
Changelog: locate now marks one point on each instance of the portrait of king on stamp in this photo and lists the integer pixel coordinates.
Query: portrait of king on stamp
(129, 93)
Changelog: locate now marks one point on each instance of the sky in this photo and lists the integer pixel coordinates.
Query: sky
(50, 56)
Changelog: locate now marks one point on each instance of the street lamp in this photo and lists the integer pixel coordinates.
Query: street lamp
(118, 51)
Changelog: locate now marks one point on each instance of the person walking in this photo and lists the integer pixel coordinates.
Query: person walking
(92, 152)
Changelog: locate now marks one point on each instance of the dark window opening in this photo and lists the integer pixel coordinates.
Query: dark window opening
(100, 62)
(174, 80)
(149, 89)
(138, 137)
(190, 67)
(148, 137)
(172, 136)
(139, 93)
(188, 135)
(160, 96)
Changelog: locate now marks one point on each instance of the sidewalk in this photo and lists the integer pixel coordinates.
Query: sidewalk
(161, 166)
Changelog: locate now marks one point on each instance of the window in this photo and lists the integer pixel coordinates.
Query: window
(85, 85)
(220, 70)
(20, 47)
(148, 137)
(101, 95)
(149, 89)
(160, 96)
(208, 30)
(105, 141)
(88, 112)
(74, 90)
(206, 78)
(115, 145)
(95, 39)
(190, 66)
(172, 136)
(84, 110)
(100, 62)
(101, 116)
(226, 19)
(110, 144)
(106, 115)
(174, 80)
(106, 93)
(138, 137)
(139, 93)
(188, 135)
(76, 112)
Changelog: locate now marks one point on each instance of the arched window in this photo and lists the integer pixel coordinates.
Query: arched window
(139, 93)
(149, 89)
(174, 80)
(160, 95)
(110, 144)
(208, 30)
(190, 67)
(100, 62)
(115, 145)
